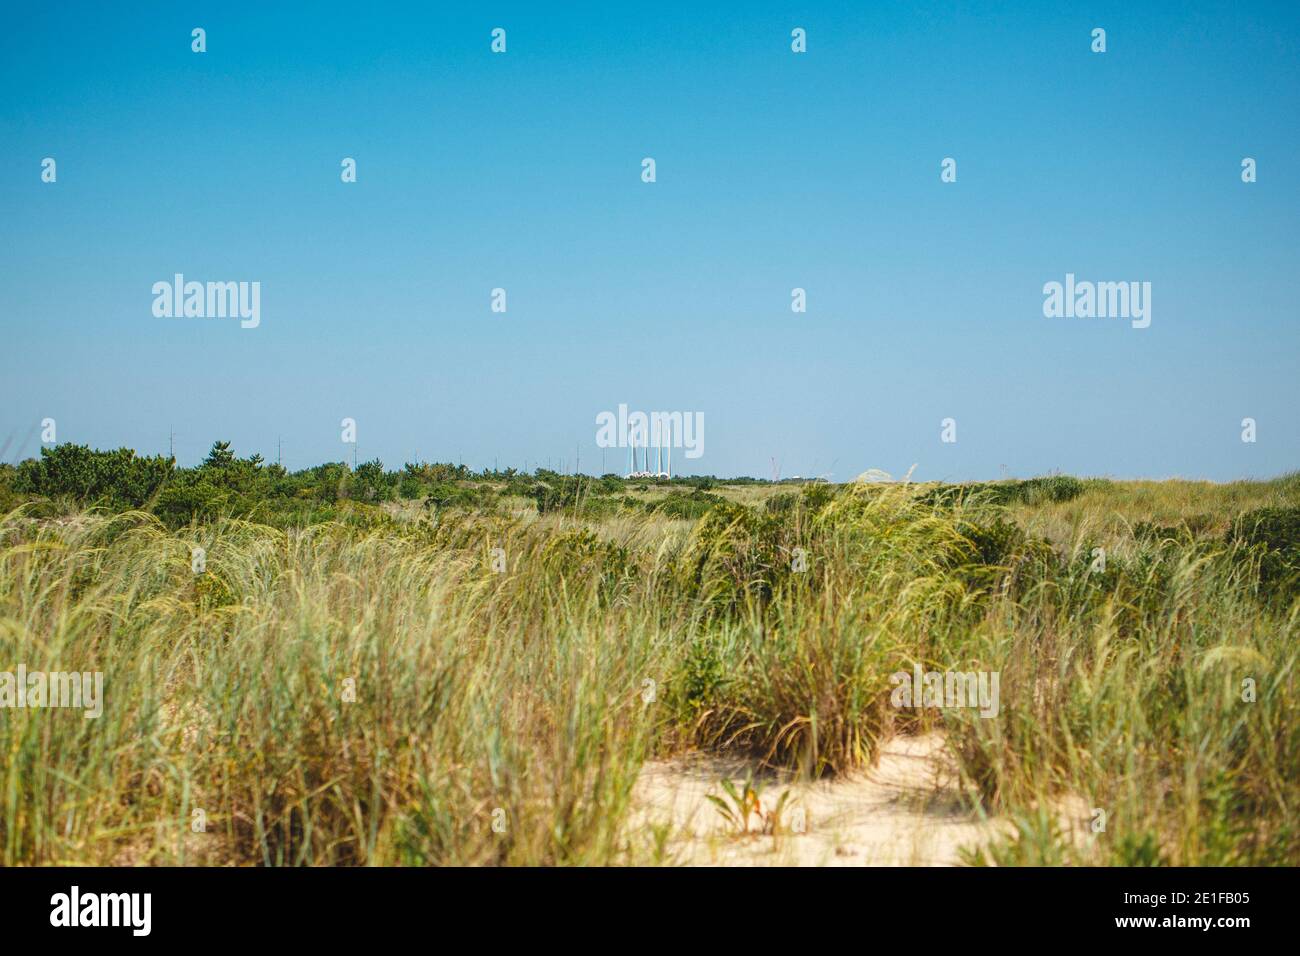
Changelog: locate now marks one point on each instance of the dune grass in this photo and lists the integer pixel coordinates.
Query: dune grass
(388, 693)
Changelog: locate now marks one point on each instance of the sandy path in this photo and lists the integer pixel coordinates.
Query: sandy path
(906, 811)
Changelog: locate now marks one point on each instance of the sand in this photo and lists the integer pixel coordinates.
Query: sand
(906, 811)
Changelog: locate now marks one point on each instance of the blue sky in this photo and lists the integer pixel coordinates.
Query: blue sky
(775, 170)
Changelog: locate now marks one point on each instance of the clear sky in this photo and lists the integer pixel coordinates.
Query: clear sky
(775, 170)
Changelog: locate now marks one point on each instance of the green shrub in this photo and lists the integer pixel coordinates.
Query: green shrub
(679, 505)
(1272, 536)
(572, 493)
(995, 543)
(1032, 491)
(117, 479)
(1053, 488)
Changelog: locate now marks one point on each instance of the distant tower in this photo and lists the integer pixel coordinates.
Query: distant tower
(663, 449)
(659, 434)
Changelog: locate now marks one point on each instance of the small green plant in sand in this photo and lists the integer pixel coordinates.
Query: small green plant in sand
(745, 803)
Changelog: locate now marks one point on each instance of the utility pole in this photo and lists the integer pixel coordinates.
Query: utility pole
(171, 443)
(279, 458)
